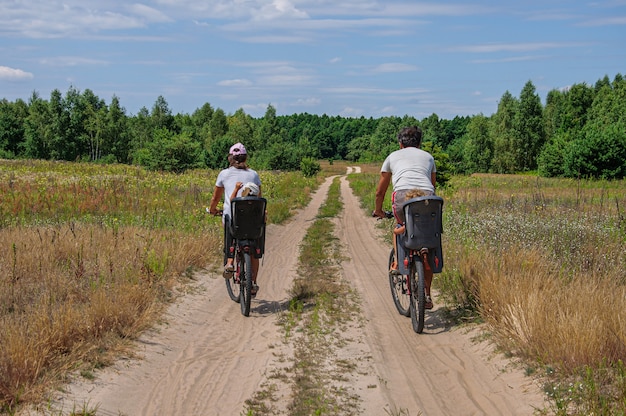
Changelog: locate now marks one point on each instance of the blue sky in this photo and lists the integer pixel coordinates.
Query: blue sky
(352, 58)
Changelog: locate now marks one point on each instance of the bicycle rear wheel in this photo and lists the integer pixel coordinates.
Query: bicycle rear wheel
(418, 296)
(245, 268)
(399, 284)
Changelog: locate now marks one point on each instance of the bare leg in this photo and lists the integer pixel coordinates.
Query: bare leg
(395, 250)
(428, 279)
(255, 268)
(398, 230)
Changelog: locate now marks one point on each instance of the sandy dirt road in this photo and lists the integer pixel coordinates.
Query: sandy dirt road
(207, 359)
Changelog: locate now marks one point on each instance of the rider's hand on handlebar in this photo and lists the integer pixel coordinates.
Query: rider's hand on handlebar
(215, 212)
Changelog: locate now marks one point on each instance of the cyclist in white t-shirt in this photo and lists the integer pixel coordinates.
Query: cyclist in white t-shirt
(407, 169)
(226, 183)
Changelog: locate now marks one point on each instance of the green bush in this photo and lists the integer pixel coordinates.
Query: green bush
(309, 167)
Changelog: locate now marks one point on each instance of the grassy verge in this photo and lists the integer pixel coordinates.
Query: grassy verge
(321, 307)
(542, 262)
(90, 255)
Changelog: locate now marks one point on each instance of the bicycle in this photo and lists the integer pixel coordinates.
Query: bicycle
(419, 244)
(246, 225)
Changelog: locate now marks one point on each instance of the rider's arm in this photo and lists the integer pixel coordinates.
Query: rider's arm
(238, 186)
(433, 179)
(217, 196)
(381, 191)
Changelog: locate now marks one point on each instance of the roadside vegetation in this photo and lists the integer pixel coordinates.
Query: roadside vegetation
(90, 255)
(541, 262)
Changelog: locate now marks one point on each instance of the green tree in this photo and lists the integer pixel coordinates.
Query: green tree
(268, 131)
(504, 160)
(478, 149)
(161, 115)
(12, 127)
(171, 152)
(38, 131)
(433, 129)
(140, 134)
(216, 156)
(218, 126)
(528, 132)
(600, 154)
(444, 169)
(551, 159)
(95, 125)
(117, 137)
(600, 151)
(240, 127)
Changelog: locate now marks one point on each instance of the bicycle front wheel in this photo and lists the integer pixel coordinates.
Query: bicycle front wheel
(399, 284)
(246, 282)
(233, 283)
(418, 296)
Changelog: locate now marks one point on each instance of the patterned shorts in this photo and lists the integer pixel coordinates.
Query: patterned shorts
(398, 198)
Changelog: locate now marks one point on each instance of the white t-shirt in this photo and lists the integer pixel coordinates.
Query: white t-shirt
(410, 168)
(227, 179)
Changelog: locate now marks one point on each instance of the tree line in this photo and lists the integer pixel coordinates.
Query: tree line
(579, 132)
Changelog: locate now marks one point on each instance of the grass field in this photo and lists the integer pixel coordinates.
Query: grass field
(90, 256)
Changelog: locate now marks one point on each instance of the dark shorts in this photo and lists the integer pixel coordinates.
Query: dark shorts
(398, 198)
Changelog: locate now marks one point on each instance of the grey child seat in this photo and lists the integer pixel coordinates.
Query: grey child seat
(424, 227)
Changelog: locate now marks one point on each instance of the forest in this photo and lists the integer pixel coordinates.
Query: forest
(580, 132)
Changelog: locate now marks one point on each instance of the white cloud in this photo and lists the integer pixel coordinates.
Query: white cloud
(308, 102)
(509, 59)
(607, 21)
(513, 47)
(285, 79)
(148, 13)
(394, 67)
(71, 61)
(351, 112)
(14, 74)
(279, 9)
(235, 83)
(272, 39)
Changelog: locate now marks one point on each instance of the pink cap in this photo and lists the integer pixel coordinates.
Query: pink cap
(237, 149)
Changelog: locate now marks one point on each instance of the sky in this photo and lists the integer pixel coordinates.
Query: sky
(349, 58)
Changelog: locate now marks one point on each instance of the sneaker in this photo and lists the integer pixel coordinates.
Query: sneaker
(229, 269)
(428, 304)
(255, 289)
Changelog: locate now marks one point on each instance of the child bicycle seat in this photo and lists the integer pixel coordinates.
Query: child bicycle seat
(248, 217)
(423, 222)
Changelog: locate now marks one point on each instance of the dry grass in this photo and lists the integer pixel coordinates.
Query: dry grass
(73, 291)
(543, 261)
(541, 314)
